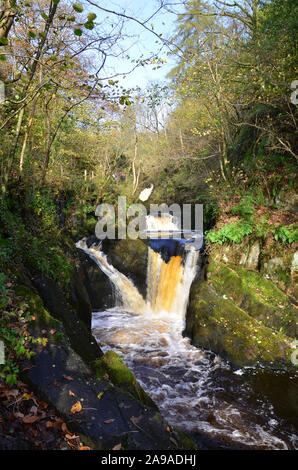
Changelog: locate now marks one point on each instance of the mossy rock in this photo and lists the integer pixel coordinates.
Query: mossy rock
(42, 317)
(255, 294)
(120, 375)
(218, 324)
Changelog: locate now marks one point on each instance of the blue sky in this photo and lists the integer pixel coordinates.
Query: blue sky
(143, 41)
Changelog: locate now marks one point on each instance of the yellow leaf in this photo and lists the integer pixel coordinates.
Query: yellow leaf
(76, 408)
(100, 395)
(27, 396)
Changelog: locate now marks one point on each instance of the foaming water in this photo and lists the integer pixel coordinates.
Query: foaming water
(195, 390)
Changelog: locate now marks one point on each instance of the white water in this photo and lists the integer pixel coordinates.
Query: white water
(194, 390)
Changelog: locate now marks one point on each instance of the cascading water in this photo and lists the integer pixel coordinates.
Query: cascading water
(194, 389)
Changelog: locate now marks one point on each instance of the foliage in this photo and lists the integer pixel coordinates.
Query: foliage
(232, 232)
(286, 234)
(14, 323)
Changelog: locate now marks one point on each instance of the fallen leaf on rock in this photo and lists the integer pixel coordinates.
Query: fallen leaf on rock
(108, 421)
(29, 419)
(77, 407)
(68, 436)
(64, 427)
(117, 447)
(67, 377)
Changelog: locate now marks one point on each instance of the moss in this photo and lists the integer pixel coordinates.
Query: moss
(187, 442)
(110, 364)
(42, 316)
(219, 325)
(255, 294)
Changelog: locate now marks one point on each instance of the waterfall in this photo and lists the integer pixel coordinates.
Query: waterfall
(125, 291)
(168, 283)
(170, 272)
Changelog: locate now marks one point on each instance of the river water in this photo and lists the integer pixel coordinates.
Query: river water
(217, 405)
(196, 390)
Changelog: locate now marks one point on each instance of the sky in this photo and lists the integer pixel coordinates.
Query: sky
(143, 41)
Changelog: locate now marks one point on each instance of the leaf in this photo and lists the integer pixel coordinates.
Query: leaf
(117, 447)
(100, 395)
(52, 331)
(108, 421)
(29, 419)
(91, 16)
(89, 25)
(78, 7)
(84, 448)
(67, 377)
(168, 429)
(71, 393)
(76, 408)
(3, 41)
(78, 32)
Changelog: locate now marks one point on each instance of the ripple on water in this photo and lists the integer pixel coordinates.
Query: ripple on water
(195, 389)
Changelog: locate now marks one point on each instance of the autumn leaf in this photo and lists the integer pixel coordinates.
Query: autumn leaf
(29, 419)
(71, 393)
(84, 448)
(100, 395)
(69, 436)
(64, 427)
(168, 429)
(52, 331)
(108, 421)
(117, 447)
(67, 377)
(27, 396)
(77, 407)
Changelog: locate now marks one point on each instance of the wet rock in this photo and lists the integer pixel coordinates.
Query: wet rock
(97, 284)
(216, 323)
(241, 315)
(130, 258)
(107, 415)
(54, 302)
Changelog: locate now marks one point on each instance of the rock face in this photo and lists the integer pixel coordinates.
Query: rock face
(112, 408)
(242, 316)
(97, 284)
(130, 258)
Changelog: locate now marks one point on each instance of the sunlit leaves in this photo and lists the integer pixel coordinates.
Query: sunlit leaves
(78, 7)
(78, 32)
(91, 16)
